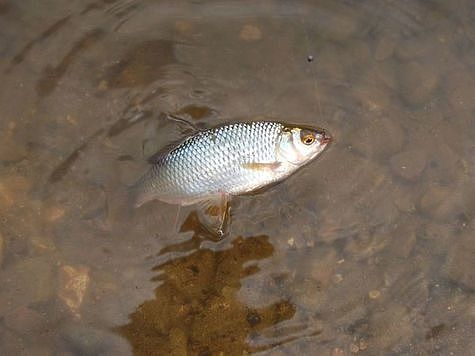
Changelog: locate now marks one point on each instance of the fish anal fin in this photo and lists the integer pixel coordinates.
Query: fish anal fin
(258, 166)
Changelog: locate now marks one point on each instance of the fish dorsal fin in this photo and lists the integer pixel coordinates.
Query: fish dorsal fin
(187, 127)
(258, 166)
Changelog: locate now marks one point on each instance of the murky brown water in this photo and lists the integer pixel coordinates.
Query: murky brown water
(369, 250)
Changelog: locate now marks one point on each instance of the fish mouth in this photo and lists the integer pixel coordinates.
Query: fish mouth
(326, 139)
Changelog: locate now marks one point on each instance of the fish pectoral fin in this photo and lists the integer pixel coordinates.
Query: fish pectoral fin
(257, 166)
(216, 212)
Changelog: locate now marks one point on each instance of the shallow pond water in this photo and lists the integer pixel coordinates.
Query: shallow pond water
(370, 249)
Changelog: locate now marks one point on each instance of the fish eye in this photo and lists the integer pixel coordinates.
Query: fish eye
(308, 139)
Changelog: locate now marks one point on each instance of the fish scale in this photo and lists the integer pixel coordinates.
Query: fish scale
(230, 159)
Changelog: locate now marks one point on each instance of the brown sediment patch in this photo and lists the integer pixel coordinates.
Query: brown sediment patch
(4, 7)
(196, 309)
(196, 112)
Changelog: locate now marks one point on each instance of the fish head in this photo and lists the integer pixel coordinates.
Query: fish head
(299, 145)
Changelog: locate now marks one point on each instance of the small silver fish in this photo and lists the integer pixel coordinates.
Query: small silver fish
(231, 159)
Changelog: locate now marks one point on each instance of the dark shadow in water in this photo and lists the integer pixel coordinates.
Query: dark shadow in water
(51, 75)
(97, 5)
(141, 65)
(117, 8)
(65, 166)
(196, 309)
(55, 27)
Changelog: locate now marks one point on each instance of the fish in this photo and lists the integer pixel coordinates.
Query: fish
(212, 165)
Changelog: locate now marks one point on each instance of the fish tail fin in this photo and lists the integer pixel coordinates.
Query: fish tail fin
(137, 196)
(141, 192)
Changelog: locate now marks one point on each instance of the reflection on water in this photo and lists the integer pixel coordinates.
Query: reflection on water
(368, 250)
(196, 308)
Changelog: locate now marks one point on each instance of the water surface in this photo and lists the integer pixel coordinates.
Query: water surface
(368, 250)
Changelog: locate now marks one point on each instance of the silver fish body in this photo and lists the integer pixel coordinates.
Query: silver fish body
(228, 160)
